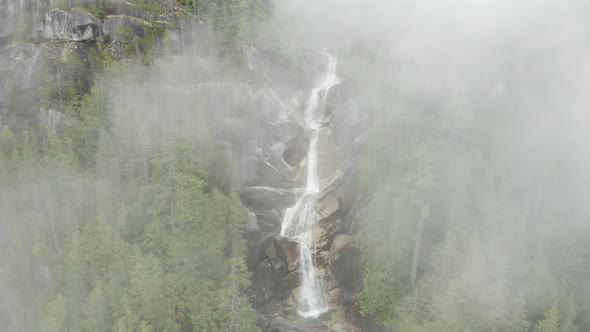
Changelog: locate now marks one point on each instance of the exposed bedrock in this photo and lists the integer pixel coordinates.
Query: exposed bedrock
(275, 260)
(73, 26)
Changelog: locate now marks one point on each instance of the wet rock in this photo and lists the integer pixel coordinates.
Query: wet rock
(335, 296)
(328, 205)
(272, 169)
(77, 25)
(292, 258)
(270, 280)
(345, 264)
(339, 243)
(321, 239)
(257, 250)
(266, 198)
(269, 221)
(296, 150)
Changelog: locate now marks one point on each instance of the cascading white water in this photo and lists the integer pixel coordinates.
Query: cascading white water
(301, 219)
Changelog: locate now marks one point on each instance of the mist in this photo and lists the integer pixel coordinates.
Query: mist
(163, 177)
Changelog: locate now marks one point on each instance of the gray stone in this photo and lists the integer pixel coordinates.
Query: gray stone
(340, 242)
(345, 266)
(296, 150)
(268, 260)
(266, 198)
(269, 221)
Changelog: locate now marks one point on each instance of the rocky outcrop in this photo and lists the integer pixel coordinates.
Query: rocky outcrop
(345, 263)
(18, 17)
(266, 198)
(268, 260)
(80, 25)
(76, 25)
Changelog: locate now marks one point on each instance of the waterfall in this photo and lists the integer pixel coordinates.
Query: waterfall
(52, 119)
(301, 219)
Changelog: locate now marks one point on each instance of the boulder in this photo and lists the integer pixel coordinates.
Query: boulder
(77, 25)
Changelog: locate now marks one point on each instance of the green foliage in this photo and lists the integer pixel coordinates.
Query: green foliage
(102, 8)
(235, 22)
(143, 237)
(241, 315)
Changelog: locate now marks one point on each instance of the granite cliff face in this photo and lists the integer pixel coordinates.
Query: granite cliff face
(37, 33)
(277, 182)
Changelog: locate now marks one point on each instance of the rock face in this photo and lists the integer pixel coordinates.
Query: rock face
(297, 150)
(73, 26)
(266, 198)
(268, 259)
(123, 28)
(79, 25)
(274, 260)
(36, 34)
(11, 14)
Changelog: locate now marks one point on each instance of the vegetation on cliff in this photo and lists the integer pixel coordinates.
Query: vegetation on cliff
(465, 123)
(110, 226)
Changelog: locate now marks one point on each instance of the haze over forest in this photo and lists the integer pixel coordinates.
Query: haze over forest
(294, 165)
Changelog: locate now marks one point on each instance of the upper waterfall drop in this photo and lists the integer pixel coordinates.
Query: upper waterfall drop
(314, 112)
(301, 219)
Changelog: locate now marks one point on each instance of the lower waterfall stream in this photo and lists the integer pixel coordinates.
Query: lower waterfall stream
(301, 219)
